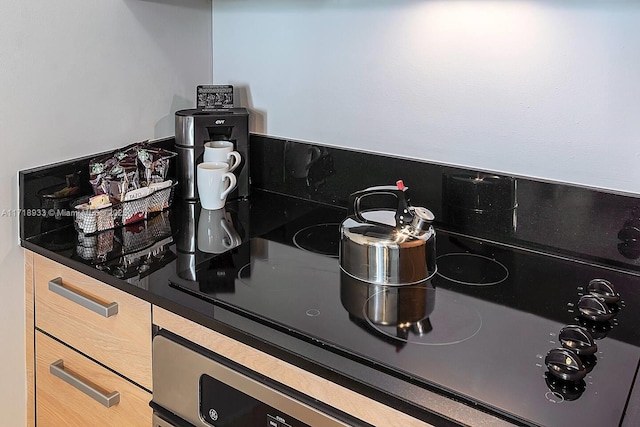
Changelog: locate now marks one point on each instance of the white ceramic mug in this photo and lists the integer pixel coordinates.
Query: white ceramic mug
(215, 182)
(215, 232)
(221, 151)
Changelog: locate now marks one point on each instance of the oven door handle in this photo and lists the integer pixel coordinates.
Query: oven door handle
(107, 400)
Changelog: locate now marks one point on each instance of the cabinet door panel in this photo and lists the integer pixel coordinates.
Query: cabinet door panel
(99, 320)
(66, 398)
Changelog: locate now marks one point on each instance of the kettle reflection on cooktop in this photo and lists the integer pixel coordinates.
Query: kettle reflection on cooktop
(410, 314)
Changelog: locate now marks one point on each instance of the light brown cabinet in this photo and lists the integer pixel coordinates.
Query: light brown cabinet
(88, 349)
(72, 390)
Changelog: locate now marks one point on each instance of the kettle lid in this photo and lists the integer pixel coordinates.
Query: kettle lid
(384, 226)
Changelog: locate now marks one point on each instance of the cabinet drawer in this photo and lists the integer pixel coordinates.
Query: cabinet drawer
(99, 320)
(65, 379)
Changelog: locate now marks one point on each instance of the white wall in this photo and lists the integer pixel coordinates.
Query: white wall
(79, 77)
(541, 88)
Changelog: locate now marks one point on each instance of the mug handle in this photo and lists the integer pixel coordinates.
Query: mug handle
(316, 153)
(236, 160)
(232, 184)
(231, 235)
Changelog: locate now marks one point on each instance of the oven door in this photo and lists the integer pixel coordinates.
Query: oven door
(193, 386)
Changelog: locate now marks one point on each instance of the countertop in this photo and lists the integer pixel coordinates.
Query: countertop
(511, 215)
(154, 286)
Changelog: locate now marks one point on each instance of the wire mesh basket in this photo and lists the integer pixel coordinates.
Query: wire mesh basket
(91, 221)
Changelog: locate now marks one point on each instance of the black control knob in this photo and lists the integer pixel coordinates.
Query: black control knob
(577, 339)
(565, 364)
(604, 289)
(594, 308)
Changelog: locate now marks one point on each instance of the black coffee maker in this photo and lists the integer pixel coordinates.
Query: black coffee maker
(194, 127)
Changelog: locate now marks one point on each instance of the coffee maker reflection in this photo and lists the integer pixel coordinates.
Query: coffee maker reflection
(193, 129)
(209, 244)
(222, 241)
(186, 244)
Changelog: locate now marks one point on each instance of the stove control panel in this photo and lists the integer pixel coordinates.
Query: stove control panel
(567, 366)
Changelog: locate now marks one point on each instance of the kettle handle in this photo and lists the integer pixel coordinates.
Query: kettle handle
(403, 213)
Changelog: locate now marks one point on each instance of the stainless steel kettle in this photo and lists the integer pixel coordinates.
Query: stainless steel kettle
(385, 246)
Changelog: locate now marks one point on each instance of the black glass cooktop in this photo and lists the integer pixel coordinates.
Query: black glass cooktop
(479, 330)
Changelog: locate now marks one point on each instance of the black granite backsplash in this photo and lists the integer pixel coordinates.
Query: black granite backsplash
(577, 222)
(568, 220)
(41, 211)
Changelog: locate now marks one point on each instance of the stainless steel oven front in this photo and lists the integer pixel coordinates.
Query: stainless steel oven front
(193, 386)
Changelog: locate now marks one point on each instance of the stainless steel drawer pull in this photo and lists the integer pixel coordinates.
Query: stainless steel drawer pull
(55, 285)
(108, 400)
